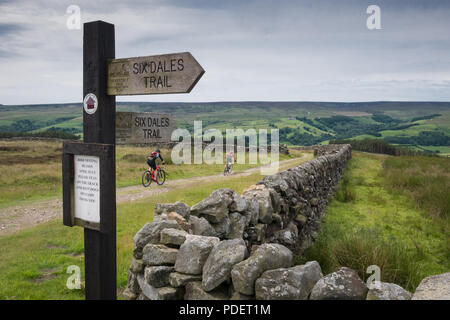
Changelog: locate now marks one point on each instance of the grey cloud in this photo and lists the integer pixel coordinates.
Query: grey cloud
(10, 28)
(251, 50)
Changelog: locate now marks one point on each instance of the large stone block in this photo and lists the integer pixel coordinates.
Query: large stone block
(435, 287)
(158, 276)
(193, 254)
(266, 257)
(158, 254)
(201, 227)
(221, 260)
(150, 233)
(149, 292)
(293, 283)
(173, 236)
(387, 291)
(344, 284)
(215, 207)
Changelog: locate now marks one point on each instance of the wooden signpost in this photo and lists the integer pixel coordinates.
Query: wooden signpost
(89, 168)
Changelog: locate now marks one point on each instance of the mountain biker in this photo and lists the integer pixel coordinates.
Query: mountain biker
(151, 161)
(229, 160)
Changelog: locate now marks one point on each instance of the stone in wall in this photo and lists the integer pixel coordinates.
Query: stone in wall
(268, 256)
(221, 260)
(344, 284)
(159, 254)
(387, 291)
(201, 227)
(193, 254)
(150, 233)
(215, 207)
(293, 283)
(173, 237)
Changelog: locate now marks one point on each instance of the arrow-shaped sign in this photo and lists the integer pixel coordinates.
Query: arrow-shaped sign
(166, 73)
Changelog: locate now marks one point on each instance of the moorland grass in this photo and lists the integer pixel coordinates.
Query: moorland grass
(426, 180)
(374, 220)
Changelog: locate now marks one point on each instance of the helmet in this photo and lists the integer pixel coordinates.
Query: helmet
(157, 150)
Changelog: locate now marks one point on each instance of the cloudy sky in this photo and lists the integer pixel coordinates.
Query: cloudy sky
(312, 50)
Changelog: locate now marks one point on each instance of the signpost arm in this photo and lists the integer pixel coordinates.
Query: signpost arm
(99, 127)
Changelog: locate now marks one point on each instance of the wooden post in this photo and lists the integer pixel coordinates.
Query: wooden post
(99, 127)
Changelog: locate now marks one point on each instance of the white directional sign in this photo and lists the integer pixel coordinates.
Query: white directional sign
(87, 188)
(166, 73)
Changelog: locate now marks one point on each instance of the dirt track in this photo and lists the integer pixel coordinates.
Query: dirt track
(17, 218)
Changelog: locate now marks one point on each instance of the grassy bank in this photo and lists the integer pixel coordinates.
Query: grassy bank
(31, 170)
(389, 212)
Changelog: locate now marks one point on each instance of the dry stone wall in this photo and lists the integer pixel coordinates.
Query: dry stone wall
(232, 246)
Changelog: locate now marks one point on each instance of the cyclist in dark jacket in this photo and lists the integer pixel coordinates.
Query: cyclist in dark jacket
(151, 161)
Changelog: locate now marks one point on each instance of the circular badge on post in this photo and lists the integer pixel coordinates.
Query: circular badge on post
(90, 103)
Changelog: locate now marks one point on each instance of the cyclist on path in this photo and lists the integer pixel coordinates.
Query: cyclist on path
(151, 161)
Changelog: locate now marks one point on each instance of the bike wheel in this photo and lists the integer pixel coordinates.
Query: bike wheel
(146, 178)
(161, 177)
(225, 171)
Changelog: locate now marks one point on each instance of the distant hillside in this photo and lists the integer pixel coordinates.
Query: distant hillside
(422, 125)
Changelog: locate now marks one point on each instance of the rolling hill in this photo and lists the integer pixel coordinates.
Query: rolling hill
(422, 125)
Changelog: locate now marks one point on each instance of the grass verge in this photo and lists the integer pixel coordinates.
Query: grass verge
(373, 221)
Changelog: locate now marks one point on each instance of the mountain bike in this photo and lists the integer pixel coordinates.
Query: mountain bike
(148, 177)
(227, 169)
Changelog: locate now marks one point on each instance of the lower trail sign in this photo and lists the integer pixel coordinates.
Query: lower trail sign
(89, 167)
(143, 127)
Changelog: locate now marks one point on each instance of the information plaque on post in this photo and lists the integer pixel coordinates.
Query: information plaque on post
(87, 185)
